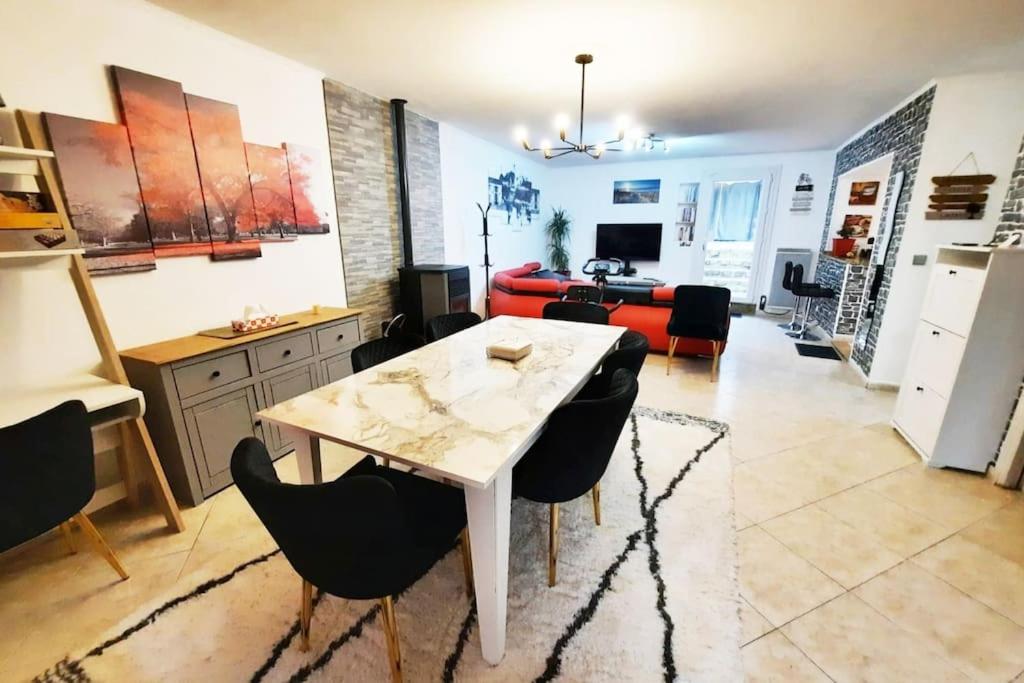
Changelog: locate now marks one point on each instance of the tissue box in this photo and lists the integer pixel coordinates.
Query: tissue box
(510, 349)
(257, 323)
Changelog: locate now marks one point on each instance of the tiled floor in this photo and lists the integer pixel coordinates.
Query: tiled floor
(856, 562)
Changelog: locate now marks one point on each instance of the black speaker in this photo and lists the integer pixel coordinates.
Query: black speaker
(430, 290)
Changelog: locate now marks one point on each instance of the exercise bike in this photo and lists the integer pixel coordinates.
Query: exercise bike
(600, 269)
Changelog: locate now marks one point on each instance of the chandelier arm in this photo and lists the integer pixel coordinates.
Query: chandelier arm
(562, 154)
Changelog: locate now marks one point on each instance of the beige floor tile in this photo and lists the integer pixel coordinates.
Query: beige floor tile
(1002, 531)
(758, 499)
(850, 641)
(742, 521)
(802, 473)
(894, 526)
(977, 640)
(773, 659)
(754, 625)
(777, 582)
(954, 499)
(846, 554)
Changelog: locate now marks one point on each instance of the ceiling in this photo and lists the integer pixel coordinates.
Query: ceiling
(718, 77)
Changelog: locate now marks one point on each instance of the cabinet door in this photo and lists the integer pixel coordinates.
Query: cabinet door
(214, 429)
(919, 413)
(952, 297)
(336, 367)
(281, 388)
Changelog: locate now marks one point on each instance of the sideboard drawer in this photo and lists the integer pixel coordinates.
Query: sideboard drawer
(919, 412)
(952, 297)
(283, 351)
(935, 357)
(210, 374)
(339, 337)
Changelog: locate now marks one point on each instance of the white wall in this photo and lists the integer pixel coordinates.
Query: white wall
(58, 61)
(466, 163)
(980, 113)
(586, 193)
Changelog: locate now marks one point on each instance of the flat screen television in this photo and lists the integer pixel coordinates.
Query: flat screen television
(629, 241)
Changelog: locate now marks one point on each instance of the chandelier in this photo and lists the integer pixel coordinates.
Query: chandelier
(636, 140)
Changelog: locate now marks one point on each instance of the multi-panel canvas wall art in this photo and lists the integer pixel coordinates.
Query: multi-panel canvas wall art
(308, 190)
(224, 177)
(153, 108)
(271, 192)
(102, 192)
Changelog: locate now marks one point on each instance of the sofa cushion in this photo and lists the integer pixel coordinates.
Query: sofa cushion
(545, 274)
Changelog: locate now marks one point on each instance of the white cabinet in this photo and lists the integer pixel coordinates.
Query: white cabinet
(967, 358)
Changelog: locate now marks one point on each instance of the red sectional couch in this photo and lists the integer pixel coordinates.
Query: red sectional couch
(519, 292)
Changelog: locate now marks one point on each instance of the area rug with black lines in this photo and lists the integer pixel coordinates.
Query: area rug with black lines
(650, 595)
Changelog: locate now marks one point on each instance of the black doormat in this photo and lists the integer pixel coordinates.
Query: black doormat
(815, 351)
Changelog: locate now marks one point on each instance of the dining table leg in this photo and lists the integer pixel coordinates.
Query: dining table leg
(489, 511)
(307, 454)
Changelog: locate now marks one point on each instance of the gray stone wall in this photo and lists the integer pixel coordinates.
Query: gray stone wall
(902, 134)
(853, 298)
(361, 139)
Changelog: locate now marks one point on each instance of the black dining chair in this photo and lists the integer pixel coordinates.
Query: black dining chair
(572, 454)
(630, 354)
(699, 312)
(47, 477)
(378, 351)
(367, 535)
(576, 311)
(442, 326)
(807, 291)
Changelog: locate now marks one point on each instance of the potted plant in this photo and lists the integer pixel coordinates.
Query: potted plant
(844, 244)
(557, 229)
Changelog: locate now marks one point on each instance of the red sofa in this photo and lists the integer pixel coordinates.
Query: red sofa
(519, 292)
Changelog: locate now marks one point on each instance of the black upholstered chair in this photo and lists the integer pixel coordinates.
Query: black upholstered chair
(630, 354)
(47, 477)
(572, 453)
(442, 326)
(369, 534)
(699, 312)
(576, 311)
(378, 351)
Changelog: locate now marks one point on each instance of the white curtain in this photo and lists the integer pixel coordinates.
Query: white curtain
(734, 208)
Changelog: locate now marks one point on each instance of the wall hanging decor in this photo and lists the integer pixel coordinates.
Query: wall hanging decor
(515, 195)
(224, 177)
(636, 191)
(686, 212)
(153, 108)
(102, 193)
(803, 194)
(864, 193)
(308, 189)
(271, 192)
(959, 197)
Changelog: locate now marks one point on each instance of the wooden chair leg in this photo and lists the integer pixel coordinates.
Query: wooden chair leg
(69, 538)
(553, 545)
(305, 615)
(386, 462)
(672, 341)
(596, 494)
(387, 607)
(467, 561)
(101, 546)
(717, 346)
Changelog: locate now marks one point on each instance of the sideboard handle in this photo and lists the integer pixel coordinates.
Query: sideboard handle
(287, 352)
(952, 272)
(215, 374)
(935, 333)
(340, 337)
(920, 388)
(257, 423)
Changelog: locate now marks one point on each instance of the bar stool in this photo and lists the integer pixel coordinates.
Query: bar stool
(807, 291)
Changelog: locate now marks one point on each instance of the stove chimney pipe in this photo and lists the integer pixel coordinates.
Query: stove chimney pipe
(398, 122)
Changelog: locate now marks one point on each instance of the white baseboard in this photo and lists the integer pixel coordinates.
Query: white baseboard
(868, 384)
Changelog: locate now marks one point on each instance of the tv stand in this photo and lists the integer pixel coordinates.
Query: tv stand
(627, 269)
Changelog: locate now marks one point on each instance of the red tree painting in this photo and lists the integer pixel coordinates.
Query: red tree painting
(308, 190)
(271, 192)
(102, 192)
(154, 110)
(224, 177)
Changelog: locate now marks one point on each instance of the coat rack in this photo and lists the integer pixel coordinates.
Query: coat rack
(487, 260)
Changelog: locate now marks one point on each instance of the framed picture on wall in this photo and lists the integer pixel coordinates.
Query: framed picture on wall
(858, 224)
(864, 193)
(636, 191)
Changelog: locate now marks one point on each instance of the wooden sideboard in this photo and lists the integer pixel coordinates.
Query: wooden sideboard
(203, 393)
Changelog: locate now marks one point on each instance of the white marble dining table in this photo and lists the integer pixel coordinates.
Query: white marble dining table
(449, 410)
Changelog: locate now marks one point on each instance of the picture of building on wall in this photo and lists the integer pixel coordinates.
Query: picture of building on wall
(864, 194)
(97, 173)
(858, 225)
(636, 191)
(224, 177)
(154, 111)
(515, 195)
(271, 192)
(309, 191)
